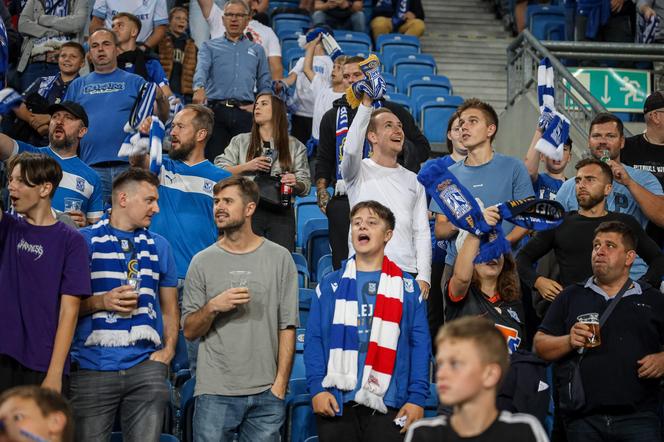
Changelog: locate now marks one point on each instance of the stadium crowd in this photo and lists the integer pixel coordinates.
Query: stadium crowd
(156, 161)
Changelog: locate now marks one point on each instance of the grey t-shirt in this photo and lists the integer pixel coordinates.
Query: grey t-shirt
(238, 355)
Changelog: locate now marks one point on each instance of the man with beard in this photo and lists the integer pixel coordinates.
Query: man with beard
(79, 193)
(572, 240)
(185, 191)
(246, 321)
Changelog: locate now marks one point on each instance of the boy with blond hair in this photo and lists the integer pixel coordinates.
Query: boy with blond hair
(472, 360)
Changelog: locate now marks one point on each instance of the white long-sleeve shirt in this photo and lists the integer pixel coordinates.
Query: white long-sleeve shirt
(396, 188)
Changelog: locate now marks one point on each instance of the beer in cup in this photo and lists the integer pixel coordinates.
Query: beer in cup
(592, 321)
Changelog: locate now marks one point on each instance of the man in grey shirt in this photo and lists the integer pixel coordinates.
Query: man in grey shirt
(247, 330)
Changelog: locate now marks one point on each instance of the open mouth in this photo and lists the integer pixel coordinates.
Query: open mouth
(363, 238)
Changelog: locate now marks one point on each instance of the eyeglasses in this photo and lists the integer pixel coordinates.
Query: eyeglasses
(238, 16)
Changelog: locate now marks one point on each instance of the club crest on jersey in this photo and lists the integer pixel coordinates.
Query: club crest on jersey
(453, 199)
(408, 285)
(513, 314)
(511, 337)
(207, 186)
(80, 184)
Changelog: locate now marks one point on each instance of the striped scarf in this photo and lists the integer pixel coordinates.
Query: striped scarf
(344, 341)
(109, 268)
(142, 108)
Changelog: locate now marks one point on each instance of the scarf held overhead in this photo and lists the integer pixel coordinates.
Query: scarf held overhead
(461, 208)
(378, 368)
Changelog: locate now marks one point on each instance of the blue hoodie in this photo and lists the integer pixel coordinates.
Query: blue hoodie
(410, 377)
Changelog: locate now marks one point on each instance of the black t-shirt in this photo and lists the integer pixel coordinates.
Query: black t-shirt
(178, 57)
(572, 242)
(609, 372)
(512, 427)
(641, 154)
(507, 316)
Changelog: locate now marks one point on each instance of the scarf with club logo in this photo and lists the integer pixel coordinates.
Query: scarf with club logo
(554, 124)
(342, 366)
(461, 208)
(110, 267)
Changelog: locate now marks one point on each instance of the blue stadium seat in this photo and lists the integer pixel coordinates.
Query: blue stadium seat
(404, 80)
(390, 81)
(396, 39)
(289, 44)
(434, 122)
(431, 83)
(291, 57)
(304, 304)
(289, 35)
(353, 37)
(290, 21)
(298, 371)
(302, 269)
(187, 402)
(423, 95)
(392, 52)
(446, 101)
(546, 21)
(431, 404)
(419, 63)
(180, 362)
(401, 99)
(315, 241)
(304, 213)
(352, 48)
(324, 267)
(300, 419)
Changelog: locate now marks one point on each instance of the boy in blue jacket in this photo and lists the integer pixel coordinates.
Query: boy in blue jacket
(367, 345)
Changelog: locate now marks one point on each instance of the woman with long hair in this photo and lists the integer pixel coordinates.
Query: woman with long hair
(268, 150)
(489, 289)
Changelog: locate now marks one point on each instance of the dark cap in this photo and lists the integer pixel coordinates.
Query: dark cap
(73, 108)
(654, 101)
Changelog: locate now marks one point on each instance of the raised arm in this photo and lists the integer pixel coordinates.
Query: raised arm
(206, 7)
(532, 159)
(357, 133)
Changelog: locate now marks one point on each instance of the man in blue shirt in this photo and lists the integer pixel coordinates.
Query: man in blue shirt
(489, 176)
(229, 69)
(79, 191)
(186, 180)
(108, 95)
(128, 329)
(635, 192)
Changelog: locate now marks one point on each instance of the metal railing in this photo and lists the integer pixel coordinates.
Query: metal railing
(572, 99)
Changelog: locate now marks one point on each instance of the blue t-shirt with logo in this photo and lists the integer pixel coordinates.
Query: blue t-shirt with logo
(367, 289)
(79, 182)
(96, 357)
(185, 199)
(546, 187)
(108, 100)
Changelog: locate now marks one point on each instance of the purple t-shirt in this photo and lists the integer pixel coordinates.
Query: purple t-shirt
(37, 265)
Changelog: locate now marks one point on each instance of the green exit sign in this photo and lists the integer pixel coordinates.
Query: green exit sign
(619, 90)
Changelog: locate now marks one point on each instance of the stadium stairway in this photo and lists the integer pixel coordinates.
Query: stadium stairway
(469, 44)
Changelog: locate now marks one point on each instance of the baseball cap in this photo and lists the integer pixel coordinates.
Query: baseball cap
(653, 102)
(73, 108)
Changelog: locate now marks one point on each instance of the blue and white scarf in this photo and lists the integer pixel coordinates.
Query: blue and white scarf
(110, 267)
(9, 99)
(143, 107)
(141, 144)
(4, 52)
(555, 125)
(646, 30)
(461, 208)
